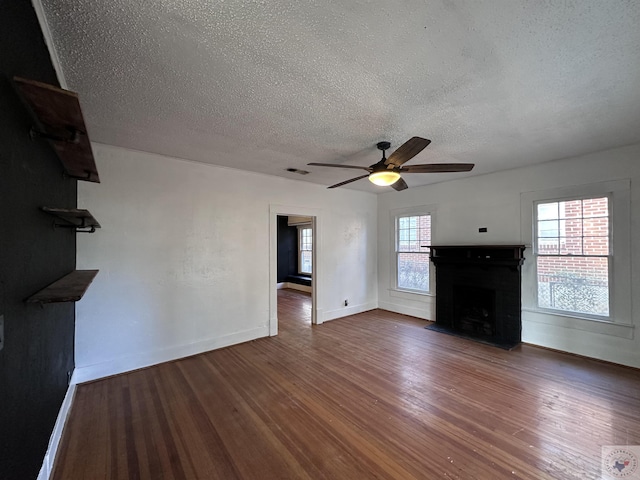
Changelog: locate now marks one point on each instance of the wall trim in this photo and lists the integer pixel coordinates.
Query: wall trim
(579, 355)
(621, 330)
(346, 311)
(56, 435)
(295, 286)
(418, 312)
(148, 359)
(48, 40)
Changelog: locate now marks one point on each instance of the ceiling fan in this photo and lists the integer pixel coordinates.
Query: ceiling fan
(387, 171)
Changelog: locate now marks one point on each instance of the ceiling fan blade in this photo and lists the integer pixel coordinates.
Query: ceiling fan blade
(348, 181)
(400, 184)
(438, 168)
(339, 166)
(407, 151)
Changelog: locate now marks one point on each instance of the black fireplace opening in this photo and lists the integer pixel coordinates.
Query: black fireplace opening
(474, 311)
(478, 292)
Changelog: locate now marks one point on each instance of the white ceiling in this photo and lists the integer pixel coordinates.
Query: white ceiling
(269, 84)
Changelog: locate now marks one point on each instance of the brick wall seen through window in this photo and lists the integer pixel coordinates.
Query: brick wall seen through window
(573, 249)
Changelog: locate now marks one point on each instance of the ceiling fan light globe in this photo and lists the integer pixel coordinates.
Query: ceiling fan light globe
(384, 178)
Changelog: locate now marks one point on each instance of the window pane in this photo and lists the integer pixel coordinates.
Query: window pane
(596, 207)
(596, 245)
(413, 271)
(305, 261)
(570, 245)
(571, 209)
(306, 248)
(413, 241)
(547, 211)
(306, 239)
(414, 233)
(548, 228)
(548, 246)
(574, 284)
(596, 227)
(571, 227)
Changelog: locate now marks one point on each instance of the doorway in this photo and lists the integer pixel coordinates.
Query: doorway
(295, 262)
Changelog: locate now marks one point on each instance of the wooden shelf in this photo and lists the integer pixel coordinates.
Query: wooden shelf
(477, 252)
(60, 121)
(69, 288)
(81, 220)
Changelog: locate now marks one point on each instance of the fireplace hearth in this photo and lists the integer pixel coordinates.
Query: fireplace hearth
(478, 290)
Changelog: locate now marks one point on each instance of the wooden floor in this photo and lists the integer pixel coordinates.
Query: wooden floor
(373, 395)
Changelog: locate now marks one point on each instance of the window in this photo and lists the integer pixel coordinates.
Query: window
(413, 241)
(305, 249)
(573, 255)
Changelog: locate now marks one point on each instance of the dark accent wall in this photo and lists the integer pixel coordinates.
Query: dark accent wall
(39, 342)
(287, 249)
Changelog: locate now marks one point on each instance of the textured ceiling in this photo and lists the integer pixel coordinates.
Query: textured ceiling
(270, 84)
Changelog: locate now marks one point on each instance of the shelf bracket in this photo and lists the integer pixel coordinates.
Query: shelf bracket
(79, 228)
(78, 177)
(80, 220)
(82, 228)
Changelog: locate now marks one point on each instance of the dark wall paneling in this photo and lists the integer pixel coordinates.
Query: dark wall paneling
(39, 342)
(287, 249)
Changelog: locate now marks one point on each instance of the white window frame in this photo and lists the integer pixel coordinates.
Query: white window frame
(396, 219)
(301, 229)
(609, 256)
(619, 323)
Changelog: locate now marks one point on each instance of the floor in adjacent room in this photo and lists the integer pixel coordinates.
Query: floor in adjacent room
(373, 395)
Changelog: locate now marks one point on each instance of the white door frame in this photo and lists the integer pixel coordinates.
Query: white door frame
(286, 210)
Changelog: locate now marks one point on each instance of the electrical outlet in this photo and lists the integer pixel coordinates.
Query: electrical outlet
(346, 303)
(482, 230)
(1, 331)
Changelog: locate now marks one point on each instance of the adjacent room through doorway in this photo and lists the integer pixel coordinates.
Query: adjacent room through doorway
(295, 262)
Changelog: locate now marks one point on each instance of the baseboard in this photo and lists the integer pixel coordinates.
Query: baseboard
(54, 441)
(147, 359)
(422, 313)
(296, 286)
(346, 311)
(579, 355)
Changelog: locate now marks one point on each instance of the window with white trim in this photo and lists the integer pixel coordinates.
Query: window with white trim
(573, 255)
(413, 242)
(305, 249)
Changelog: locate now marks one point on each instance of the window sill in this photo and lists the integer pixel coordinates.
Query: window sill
(604, 327)
(409, 294)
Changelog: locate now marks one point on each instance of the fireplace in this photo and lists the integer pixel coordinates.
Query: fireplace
(478, 290)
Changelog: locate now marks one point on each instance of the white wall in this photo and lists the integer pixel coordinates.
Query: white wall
(493, 201)
(183, 254)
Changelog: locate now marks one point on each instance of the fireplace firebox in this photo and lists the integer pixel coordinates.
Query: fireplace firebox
(478, 291)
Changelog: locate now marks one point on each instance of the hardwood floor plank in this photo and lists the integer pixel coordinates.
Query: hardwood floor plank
(373, 395)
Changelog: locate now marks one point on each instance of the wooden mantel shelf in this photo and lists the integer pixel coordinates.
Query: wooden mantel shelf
(69, 288)
(60, 121)
(478, 254)
(77, 218)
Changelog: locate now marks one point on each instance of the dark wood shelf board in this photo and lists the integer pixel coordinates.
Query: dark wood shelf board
(59, 115)
(478, 254)
(74, 216)
(69, 288)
